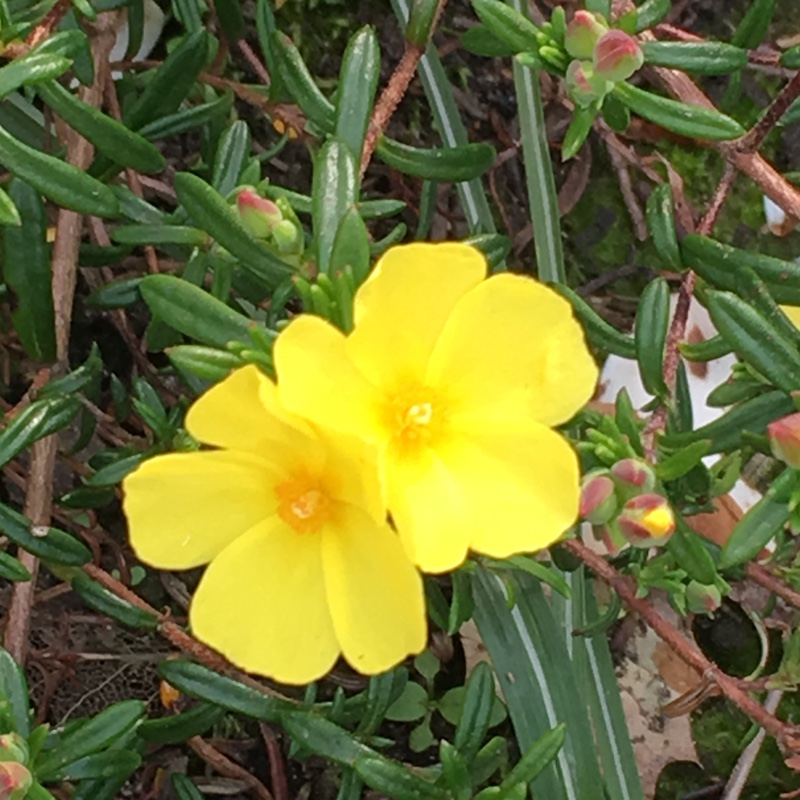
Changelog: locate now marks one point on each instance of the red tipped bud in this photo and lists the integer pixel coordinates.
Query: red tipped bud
(259, 215)
(583, 86)
(702, 598)
(15, 781)
(633, 474)
(617, 56)
(13, 747)
(598, 502)
(784, 439)
(583, 33)
(646, 520)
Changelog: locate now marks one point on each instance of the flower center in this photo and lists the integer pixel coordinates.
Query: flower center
(414, 418)
(303, 504)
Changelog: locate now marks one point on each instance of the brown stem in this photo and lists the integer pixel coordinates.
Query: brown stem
(691, 655)
(254, 61)
(765, 578)
(230, 769)
(779, 106)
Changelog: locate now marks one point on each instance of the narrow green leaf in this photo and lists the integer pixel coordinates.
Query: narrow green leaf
(37, 420)
(351, 247)
(323, 737)
(231, 20)
(703, 58)
(32, 69)
(661, 221)
(479, 698)
(60, 182)
(421, 21)
(756, 339)
(761, 523)
(694, 121)
(358, 81)
(455, 771)
(480, 41)
(105, 602)
(461, 163)
(334, 193)
(193, 311)
(188, 119)
(159, 234)
(111, 138)
(50, 544)
(754, 25)
(538, 756)
(180, 727)
(579, 128)
(233, 152)
(12, 569)
(691, 554)
(185, 789)
(650, 13)
(206, 363)
(28, 273)
(198, 681)
(211, 213)
(650, 335)
(508, 24)
(14, 688)
(678, 464)
(98, 765)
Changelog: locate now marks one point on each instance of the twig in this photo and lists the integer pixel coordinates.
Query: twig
(277, 773)
(770, 118)
(744, 766)
(230, 769)
(689, 653)
(254, 61)
(762, 576)
(39, 494)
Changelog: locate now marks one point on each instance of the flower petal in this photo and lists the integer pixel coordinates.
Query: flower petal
(403, 306)
(513, 335)
(499, 489)
(184, 508)
(317, 380)
(375, 593)
(242, 413)
(262, 604)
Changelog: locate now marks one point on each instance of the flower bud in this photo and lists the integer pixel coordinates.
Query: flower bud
(702, 598)
(583, 32)
(617, 56)
(15, 781)
(598, 502)
(13, 747)
(784, 439)
(259, 215)
(646, 520)
(287, 237)
(583, 87)
(633, 474)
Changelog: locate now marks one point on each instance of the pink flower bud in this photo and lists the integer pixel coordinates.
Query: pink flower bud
(702, 598)
(259, 215)
(15, 781)
(583, 86)
(617, 56)
(646, 520)
(13, 747)
(598, 502)
(583, 33)
(633, 474)
(784, 439)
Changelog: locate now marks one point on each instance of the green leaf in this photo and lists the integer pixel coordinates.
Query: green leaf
(351, 248)
(600, 333)
(170, 83)
(650, 335)
(703, 58)
(455, 771)
(480, 41)
(761, 523)
(358, 80)
(726, 433)
(98, 765)
(33, 68)
(53, 545)
(707, 350)
(601, 7)
(27, 271)
(201, 682)
(185, 789)
(323, 737)
(650, 13)
(476, 712)
(181, 727)
(754, 25)
(14, 690)
(691, 554)
(675, 466)
(495, 246)
(188, 119)
(231, 21)
(159, 234)
(92, 736)
(756, 339)
(381, 691)
(535, 673)
(211, 213)
(60, 182)
(206, 363)
(334, 193)
(410, 706)
(231, 157)
(661, 221)
(105, 602)
(111, 138)
(687, 120)
(579, 128)
(396, 781)
(538, 756)
(507, 24)
(719, 264)
(421, 22)
(12, 569)
(37, 420)
(460, 163)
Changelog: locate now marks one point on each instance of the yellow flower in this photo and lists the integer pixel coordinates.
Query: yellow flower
(457, 380)
(302, 564)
